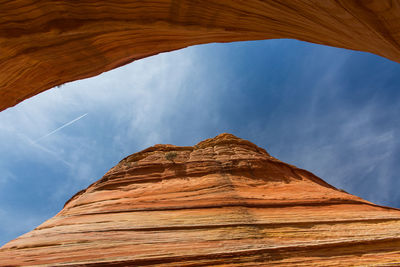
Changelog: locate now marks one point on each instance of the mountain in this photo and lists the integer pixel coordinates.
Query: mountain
(224, 201)
(48, 43)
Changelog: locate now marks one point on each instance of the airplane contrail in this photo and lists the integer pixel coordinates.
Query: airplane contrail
(54, 154)
(59, 128)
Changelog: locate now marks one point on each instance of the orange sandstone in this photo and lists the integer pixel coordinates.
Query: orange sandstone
(47, 43)
(224, 201)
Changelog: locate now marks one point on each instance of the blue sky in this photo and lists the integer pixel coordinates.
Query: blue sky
(332, 111)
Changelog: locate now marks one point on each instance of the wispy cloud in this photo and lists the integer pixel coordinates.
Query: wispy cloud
(130, 108)
(299, 104)
(343, 131)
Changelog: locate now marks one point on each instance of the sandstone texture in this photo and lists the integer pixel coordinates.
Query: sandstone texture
(224, 201)
(47, 43)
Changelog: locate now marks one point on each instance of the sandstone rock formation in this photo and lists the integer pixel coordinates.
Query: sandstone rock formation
(47, 43)
(224, 201)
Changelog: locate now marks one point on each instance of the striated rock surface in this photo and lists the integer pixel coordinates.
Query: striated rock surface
(47, 43)
(224, 201)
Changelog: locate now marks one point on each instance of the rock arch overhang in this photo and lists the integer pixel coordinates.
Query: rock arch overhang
(47, 43)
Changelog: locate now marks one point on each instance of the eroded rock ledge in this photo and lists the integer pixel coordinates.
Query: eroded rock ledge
(224, 201)
(47, 43)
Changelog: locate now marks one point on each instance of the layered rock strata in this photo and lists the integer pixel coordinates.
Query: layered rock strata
(47, 43)
(224, 201)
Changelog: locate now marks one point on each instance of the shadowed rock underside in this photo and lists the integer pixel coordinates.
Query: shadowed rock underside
(47, 43)
(224, 201)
